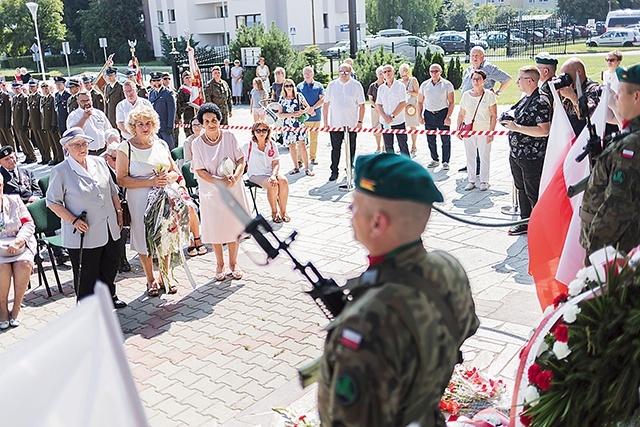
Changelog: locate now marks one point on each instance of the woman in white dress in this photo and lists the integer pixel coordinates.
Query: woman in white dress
(213, 148)
(262, 71)
(237, 73)
(143, 162)
(411, 85)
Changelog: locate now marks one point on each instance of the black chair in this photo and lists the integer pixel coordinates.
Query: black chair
(45, 221)
(253, 191)
(43, 183)
(190, 182)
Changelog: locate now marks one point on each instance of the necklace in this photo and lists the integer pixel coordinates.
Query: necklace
(213, 141)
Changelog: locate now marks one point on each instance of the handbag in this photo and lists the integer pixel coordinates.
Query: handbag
(468, 127)
(124, 205)
(4, 247)
(226, 167)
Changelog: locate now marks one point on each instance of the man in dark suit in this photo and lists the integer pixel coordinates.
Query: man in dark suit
(226, 72)
(60, 101)
(20, 119)
(6, 138)
(165, 105)
(113, 94)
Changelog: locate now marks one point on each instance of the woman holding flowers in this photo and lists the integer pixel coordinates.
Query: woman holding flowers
(217, 158)
(143, 162)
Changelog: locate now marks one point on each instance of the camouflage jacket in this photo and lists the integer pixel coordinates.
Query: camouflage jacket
(592, 90)
(389, 355)
(220, 94)
(610, 210)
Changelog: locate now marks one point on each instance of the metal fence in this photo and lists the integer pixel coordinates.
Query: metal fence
(206, 60)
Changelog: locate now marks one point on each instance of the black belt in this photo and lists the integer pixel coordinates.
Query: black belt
(98, 151)
(436, 112)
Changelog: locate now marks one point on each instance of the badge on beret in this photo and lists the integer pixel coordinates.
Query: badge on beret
(351, 339)
(346, 390)
(618, 177)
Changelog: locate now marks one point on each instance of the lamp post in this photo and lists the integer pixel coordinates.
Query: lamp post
(33, 8)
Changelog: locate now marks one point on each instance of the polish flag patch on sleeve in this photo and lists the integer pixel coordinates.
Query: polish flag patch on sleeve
(351, 339)
(627, 154)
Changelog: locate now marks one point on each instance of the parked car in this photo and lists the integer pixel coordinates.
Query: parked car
(453, 43)
(407, 46)
(343, 46)
(394, 32)
(615, 38)
(498, 40)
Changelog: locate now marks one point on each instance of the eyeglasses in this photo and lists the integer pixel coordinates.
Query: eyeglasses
(610, 59)
(79, 145)
(288, 85)
(387, 71)
(524, 78)
(434, 71)
(344, 73)
(196, 125)
(262, 130)
(111, 157)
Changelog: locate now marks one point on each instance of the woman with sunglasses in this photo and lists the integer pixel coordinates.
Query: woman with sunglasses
(292, 107)
(263, 168)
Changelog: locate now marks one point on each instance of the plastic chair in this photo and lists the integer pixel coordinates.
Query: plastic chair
(43, 183)
(190, 181)
(177, 153)
(45, 221)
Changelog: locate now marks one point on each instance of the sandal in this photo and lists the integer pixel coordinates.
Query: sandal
(201, 249)
(285, 217)
(309, 172)
(237, 274)
(414, 150)
(170, 289)
(275, 217)
(192, 250)
(153, 289)
(221, 275)
(294, 171)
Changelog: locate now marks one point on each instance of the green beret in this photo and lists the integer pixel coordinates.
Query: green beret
(395, 177)
(630, 74)
(546, 59)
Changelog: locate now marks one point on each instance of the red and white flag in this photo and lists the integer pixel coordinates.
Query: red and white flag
(555, 254)
(197, 97)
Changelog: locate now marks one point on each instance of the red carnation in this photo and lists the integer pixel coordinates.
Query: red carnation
(533, 372)
(543, 380)
(562, 333)
(560, 299)
(526, 420)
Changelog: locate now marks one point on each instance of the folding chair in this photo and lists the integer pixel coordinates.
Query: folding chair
(46, 221)
(253, 191)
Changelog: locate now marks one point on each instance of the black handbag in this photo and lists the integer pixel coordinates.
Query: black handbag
(126, 214)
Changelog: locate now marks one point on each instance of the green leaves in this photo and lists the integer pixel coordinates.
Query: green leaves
(18, 31)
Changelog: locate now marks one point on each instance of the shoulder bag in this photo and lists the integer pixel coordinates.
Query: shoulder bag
(468, 127)
(126, 214)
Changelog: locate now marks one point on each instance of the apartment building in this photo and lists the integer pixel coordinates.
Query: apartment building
(322, 22)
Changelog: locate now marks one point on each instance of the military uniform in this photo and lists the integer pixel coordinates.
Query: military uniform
(113, 94)
(165, 105)
(97, 100)
(592, 90)
(6, 138)
(220, 94)
(390, 353)
(35, 125)
(50, 127)
(19, 181)
(184, 111)
(20, 119)
(60, 102)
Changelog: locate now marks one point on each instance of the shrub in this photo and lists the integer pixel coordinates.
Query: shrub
(454, 73)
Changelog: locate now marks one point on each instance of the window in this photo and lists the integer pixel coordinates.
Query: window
(248, 20)
(160, 17)
(172, 15)
(325, 20)
(222, 12)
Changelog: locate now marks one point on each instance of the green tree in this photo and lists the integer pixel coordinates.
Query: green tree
(18, 32)
(311, 56)
(506, 14)
(454, 72)
(420, 68)
(366, 63)
(71, 8)
(418, 15)
(438, 59)
(180, 45)
(486, 15)
(454, 15)
(118, 21)
(581, 11)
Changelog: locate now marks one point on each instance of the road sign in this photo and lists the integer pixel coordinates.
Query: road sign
(103, 42)
(34, 48)
(292, 31)
(344, 28)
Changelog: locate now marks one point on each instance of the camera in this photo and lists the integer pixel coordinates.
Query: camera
(507, 116)
(563, 80)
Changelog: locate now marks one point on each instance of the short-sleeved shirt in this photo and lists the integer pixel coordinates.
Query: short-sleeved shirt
(436, 95)
(344, 100)
(312, 93)
(95, 126)
(530, 111)
(123, 109)
(390, 97)
(372, 92)
(494, 74)
(592, 91)
(483, 118)
(260, 162)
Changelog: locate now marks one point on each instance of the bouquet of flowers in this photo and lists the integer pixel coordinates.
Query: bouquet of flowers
(582, 365)
(470, 391)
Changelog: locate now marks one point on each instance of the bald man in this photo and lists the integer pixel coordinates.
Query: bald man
(575, 68)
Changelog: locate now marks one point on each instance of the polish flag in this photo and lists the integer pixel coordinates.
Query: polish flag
(555, 254)
(197, 96)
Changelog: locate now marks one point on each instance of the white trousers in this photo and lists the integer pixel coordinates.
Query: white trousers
(473, 145)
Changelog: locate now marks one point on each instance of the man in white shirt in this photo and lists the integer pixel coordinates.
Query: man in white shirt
(436, 101)
(343, 106)
(131, 100)
(93, 122)
(390, 103)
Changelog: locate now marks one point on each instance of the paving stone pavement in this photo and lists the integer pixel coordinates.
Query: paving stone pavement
(226, 353)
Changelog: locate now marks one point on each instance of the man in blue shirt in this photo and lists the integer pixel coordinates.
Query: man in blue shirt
(313, 92)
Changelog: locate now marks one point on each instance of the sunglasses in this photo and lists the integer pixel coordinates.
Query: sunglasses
(434, 71)
(344, 73)
(611, 59)
(166, 78)
(288, 85)
(262, 130)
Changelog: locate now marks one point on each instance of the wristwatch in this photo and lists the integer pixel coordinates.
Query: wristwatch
(393, 116)
(498, 92)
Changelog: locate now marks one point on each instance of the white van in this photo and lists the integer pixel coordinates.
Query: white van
(407, 46)
(622, 18)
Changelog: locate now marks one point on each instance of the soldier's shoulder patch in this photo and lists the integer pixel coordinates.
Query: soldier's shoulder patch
(351, 339)
(618, 177)
(627, 154)
(347, 390)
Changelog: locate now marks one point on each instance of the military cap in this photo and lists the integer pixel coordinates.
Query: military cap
(74, 133)
(165, 74)
(186, 73)
(130, 73)
(87, 79)
(33, 83)
(629, 74)
(73, 83)
(155, 76)
(5, 151)
(16, 84)
(43, 84)
(545, 58)
(111, 71)
(59, 79)
(395, 177)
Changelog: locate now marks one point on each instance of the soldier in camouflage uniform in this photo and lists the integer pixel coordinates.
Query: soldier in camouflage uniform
(390, 354)
(610, 209)
(569, 96)
(218, 92)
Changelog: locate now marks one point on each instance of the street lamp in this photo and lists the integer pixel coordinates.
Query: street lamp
(33, 8)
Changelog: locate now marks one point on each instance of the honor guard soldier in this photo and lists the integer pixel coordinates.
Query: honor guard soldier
(547, 66)
(35, 123)
(74, 88)
(113, 94)
(61, 97)
(218, 92)
(97, 100)
(20, 122)
(6, 138)
(165, 105)
(611, 203)
(142, 91)
(390, 353)
(50, 137)
(185, 112)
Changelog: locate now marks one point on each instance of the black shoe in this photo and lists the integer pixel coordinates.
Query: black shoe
(61, 259)
(53, 162)
(44, 162)
(29, 161)
(314, 162)
(333, 177)
(118, 303)
(517, 230)
(125, 267)
(464, 169)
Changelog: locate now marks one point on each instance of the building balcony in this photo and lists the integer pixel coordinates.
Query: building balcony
(211, 25)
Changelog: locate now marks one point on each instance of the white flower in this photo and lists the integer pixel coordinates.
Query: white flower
(570, 313)
(531, 395)
(543, 347)
(576, 287)
(561, 349)
(590, 273)
(582, 274)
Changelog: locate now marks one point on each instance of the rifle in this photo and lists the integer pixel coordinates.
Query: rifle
(594, 145)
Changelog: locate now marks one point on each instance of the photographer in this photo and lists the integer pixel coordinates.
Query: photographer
(567, 89)
(528, 122)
